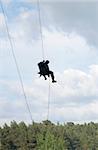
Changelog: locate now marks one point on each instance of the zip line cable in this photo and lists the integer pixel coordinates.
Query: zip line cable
(15, 60)
(48, 100)
(42, 45)
(41, 33)
(42, 42)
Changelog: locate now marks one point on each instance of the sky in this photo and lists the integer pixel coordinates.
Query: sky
(70, 41)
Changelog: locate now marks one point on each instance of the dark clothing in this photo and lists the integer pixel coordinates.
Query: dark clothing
(44, 70)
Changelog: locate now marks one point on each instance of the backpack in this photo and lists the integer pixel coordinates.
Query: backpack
(42, 68)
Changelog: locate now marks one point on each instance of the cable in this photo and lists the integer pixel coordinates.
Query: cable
(15, 60)
(41, 34)
(40, 24)
(48, 100)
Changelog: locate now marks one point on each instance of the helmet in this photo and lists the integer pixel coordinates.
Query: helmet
(47, 61)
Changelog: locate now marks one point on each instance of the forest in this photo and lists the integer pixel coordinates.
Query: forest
(49, 136)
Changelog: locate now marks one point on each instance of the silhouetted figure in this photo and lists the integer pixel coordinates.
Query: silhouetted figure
(44, 70)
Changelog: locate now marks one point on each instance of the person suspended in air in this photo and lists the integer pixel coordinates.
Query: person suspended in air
(44, 70)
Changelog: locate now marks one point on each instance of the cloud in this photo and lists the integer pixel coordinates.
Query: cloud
(78, 114)
(80, 17)
(58, 1)
(25, 25)
(73, 60)
(77, 86)
(59, 15)
(62, 49)
(1, 20)
(6, 1)
(76, 92)
(2, 27)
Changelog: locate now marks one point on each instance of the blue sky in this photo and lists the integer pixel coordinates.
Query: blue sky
(70, 35)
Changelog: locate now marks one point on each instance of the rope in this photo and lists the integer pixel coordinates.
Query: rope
(40, 24)
(15, 60)
(48, 100)
(42, 45)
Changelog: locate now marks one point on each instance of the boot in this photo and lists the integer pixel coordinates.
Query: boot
(53, 81)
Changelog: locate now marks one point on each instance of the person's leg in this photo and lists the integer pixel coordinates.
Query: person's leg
(52, 76)
(45, 77)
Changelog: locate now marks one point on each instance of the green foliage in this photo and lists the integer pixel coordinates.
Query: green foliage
(48, 136)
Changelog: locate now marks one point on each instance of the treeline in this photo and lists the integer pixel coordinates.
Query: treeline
(48, 136)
